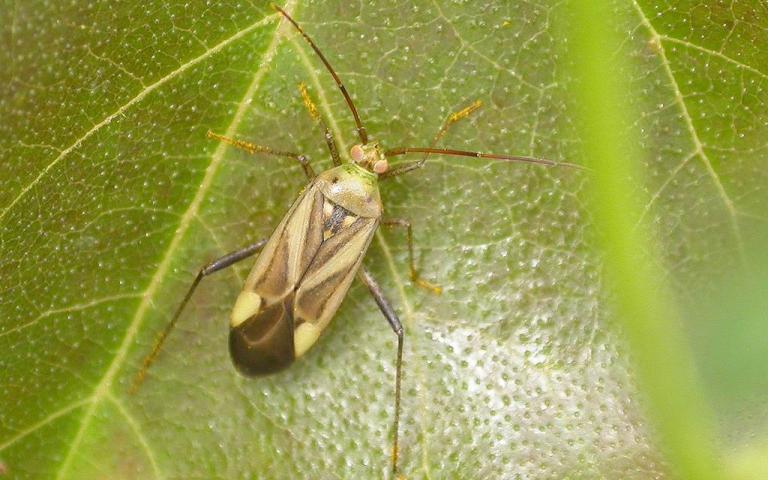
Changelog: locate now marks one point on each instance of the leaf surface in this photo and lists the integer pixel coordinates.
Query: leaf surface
(112, 198)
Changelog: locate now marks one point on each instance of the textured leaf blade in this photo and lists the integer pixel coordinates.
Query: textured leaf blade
(112, 198)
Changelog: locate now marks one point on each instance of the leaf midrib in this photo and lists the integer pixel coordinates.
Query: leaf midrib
(397, 278)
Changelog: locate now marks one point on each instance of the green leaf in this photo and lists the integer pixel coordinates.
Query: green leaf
(111, 198)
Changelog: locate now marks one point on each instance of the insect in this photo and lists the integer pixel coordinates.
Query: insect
(306, 267)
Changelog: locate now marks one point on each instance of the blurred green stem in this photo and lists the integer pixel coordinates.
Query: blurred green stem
(651, 324)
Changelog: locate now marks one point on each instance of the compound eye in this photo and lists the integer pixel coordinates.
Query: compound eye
(380, 166)
(357, 153)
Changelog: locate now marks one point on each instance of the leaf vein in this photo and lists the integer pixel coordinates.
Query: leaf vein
(70, 308)
(697, 143)
(714, 53)
(133, 101)
(136, 429)
(37, 426)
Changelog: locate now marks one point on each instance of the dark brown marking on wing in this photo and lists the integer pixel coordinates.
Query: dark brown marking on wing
(330, 247)
(333, 223)
(335, 218)
(314, 232)
(272, 282)
(263, 344)
(311, 303)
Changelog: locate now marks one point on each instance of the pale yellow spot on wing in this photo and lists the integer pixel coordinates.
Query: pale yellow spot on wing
(247, 304)
(304, 337)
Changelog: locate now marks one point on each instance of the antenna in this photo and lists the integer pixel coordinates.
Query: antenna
(408, 166)
(360, 128)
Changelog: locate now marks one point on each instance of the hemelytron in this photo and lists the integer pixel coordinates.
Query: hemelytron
(306, 267)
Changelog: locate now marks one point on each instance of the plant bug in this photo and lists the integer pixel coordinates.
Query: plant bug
(306, 267)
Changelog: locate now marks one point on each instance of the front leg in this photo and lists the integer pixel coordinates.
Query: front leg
(254, 148)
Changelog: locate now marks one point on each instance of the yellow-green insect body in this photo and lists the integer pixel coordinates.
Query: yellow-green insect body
(303, 274)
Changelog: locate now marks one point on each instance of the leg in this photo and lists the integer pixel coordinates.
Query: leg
(215, 266)
(455, 117)
(397, 327)
(452, 118)
(329, 140)
(253, 149)
(415, 277)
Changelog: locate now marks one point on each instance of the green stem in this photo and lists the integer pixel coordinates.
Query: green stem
(649, 317)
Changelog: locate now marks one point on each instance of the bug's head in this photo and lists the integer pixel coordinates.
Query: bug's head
(371, 157)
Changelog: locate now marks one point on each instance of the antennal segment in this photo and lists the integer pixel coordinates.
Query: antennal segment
(408, 166)
(360, 128)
